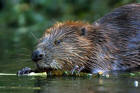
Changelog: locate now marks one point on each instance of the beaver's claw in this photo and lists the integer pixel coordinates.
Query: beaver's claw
(77, 69)
(74, 69)
(23, 71)
(80, 69)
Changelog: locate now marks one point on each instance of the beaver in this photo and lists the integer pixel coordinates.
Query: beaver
(111, 43)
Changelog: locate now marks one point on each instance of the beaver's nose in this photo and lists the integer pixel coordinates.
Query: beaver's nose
(37, 55)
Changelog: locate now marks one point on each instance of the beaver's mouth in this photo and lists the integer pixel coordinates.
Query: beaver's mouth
(43, 65)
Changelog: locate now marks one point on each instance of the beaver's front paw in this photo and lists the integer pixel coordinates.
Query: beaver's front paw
(23, 71)
(77, 69)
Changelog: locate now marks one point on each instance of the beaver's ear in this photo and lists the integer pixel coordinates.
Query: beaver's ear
(83, 31)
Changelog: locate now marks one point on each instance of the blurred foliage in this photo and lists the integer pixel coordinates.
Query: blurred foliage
(19, 19)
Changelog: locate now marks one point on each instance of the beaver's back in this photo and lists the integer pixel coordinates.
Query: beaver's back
(122, 28)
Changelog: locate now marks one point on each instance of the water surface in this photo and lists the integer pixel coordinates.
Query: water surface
(14, 84)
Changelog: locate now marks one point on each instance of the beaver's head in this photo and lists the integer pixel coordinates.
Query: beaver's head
(63, 46)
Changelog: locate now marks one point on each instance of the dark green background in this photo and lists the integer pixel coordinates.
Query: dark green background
(19, 19)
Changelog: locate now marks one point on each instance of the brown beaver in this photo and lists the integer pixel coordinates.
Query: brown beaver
(110, 43)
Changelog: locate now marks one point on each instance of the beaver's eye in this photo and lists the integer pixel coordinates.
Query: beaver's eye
(57, 42)
(83, 31)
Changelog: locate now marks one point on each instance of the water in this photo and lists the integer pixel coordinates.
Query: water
(14, 84)
(28, 84)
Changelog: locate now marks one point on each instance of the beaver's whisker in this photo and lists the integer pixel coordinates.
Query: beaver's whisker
(20, 59)
(26, 49)
(23, 52)
(34, 36)
(24, 60)
(23, 55)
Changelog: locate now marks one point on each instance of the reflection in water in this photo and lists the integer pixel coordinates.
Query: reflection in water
(68, 85)
(86, 85)
(136, 83)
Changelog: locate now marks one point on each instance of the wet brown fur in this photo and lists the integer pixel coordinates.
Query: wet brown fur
(110, 43)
